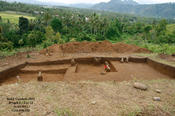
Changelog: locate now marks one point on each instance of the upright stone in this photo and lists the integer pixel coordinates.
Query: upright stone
(40, 77)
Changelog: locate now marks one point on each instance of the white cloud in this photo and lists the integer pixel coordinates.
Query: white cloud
(97, 1)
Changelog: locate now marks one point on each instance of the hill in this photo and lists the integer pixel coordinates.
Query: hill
(165, 10)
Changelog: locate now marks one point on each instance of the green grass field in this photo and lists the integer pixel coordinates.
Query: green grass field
(14, 16)
(171, 28)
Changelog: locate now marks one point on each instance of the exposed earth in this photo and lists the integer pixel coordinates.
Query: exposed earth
(83, 89)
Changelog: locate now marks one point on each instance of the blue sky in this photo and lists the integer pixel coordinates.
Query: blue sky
(97, 1)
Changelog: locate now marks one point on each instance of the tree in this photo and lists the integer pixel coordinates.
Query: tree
(112, 32)
(147, 29)
(23, 25)
(161, 27)
(0, 19)
(0, 29)
(49, 33)
(34, 38)
(56, 25)
(57, 38)
(47, 17)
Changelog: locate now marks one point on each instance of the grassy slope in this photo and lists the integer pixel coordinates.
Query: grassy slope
(170, 28)
(13, 16)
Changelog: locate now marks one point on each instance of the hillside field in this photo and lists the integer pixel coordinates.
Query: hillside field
(14, 16)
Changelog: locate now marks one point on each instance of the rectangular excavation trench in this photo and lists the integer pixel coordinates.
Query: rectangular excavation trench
(85, 69)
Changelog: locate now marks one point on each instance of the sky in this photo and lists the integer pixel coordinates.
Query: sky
(97, 1)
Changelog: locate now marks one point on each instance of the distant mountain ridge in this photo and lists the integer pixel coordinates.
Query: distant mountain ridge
(166, 10)
(131, 2)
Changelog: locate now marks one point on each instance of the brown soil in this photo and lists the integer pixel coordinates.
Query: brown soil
(102, 47)
(125, 72)
(83, 71)
(125, 48)
(167, 57)
(87, 47)
(76, 98)
(87, 71)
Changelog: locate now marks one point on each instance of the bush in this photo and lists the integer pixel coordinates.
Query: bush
(47, 43)
(56, 25)
(34, 38)
(6, 45)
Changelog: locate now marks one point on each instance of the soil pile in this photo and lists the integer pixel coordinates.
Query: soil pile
(51, 49)
(87, 47)
(126, 48)
(94, 47)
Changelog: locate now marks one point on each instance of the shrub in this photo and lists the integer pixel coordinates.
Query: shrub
(56, 25)
(34, 38)
(6, 45)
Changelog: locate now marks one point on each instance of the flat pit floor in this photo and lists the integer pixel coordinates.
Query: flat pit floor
(66, 72)
(125, 71)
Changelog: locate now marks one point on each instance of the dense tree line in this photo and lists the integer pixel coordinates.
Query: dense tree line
(59, 25)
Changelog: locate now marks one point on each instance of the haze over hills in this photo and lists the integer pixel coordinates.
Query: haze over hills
(165, 10)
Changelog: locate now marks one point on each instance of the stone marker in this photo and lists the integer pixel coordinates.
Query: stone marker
(122, 60)
(103, 73)
(97, 60)
(140, 86)
(18, 79)
(156, 98)
(93, 102)
(158, 91)
(40, 77)
(73, 62)
(126, 59)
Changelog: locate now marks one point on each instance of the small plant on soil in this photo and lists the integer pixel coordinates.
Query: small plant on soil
(64, 112)
(28, 56)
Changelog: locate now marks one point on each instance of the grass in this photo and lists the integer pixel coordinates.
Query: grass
(170, 28)
(155, 48)
(13, 17)
(5, 53)
(64, 112)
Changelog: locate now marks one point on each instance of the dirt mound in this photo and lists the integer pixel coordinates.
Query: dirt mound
(126, 48)
(94, 47)
(51, 49)
(87, 47)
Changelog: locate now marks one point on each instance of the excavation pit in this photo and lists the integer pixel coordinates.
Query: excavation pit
(88, 69)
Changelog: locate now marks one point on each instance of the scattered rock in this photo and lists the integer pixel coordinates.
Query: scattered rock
(156, 98)
(140, 86)
(97, 60)
(173, 54)
(126, 59)
(93, 102)
(122, 60)
(103, 73)
(158, 91)
(40, 77)
(73, 62)
(18, 79)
